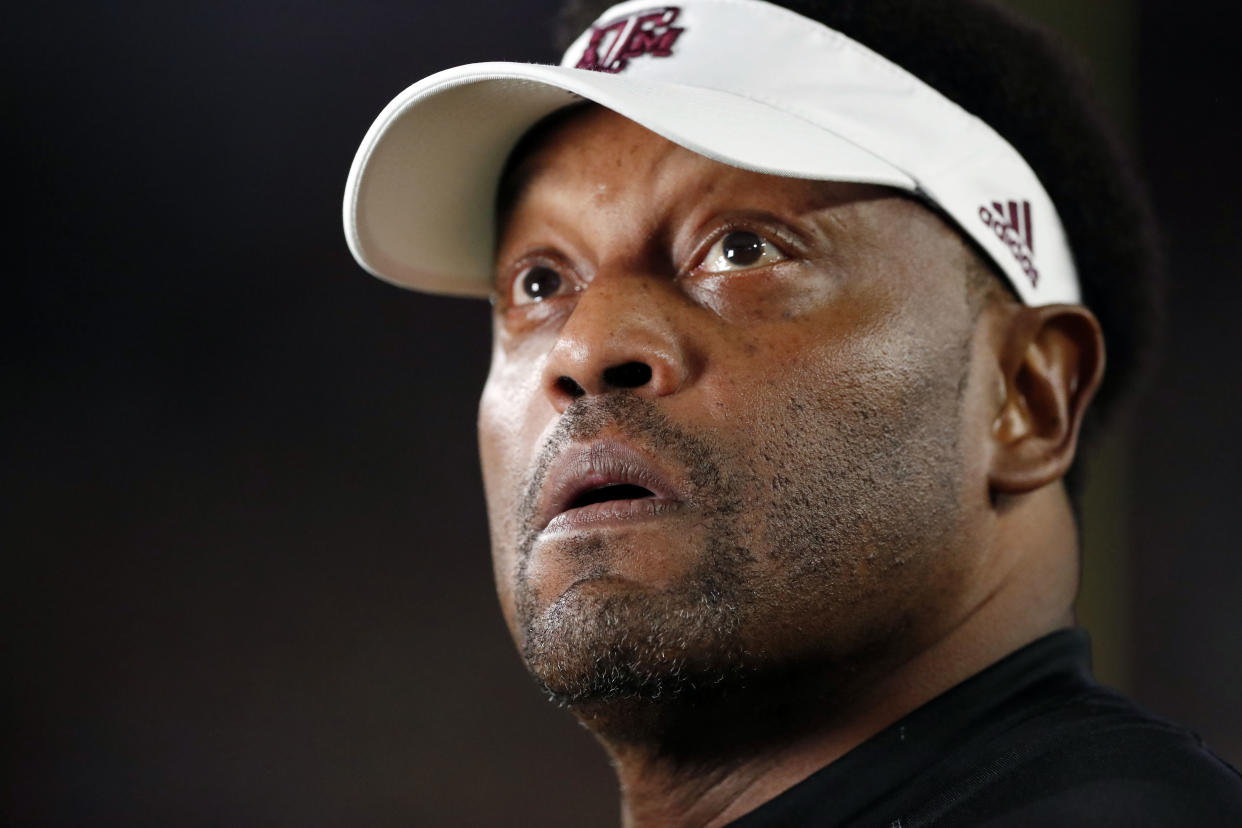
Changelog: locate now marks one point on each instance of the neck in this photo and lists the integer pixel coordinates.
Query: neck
(707, 760)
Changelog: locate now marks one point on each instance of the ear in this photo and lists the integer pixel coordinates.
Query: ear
(1051, 360)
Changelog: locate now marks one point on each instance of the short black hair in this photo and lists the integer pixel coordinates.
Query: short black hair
(1021, 79)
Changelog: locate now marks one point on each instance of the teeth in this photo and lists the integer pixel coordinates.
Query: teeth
(614, 491)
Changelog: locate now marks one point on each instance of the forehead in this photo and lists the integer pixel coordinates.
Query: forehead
(588, 147)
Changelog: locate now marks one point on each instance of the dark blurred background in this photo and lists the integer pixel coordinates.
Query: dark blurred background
(246, 578)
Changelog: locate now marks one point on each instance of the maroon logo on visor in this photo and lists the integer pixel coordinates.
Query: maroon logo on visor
(1011, 222)
(613, 45)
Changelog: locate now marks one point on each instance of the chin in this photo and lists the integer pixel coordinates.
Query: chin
(609, 638)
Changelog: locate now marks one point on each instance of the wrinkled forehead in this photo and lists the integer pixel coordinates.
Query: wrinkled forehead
(588, 142)
(587, 148)
(521, 164)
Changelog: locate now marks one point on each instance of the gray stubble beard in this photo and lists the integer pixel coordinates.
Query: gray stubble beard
(590, 648)
(869, 493)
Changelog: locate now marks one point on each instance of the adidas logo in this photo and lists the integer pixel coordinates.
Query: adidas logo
(1011, 222)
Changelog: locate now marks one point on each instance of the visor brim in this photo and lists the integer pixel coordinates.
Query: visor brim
(420, 199)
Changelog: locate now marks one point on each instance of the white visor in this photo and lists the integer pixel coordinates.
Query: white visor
(742, 82)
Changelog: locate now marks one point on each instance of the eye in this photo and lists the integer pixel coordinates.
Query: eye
(536, 283)
(738, 250)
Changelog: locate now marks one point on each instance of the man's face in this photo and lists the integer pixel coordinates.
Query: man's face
(728, 424)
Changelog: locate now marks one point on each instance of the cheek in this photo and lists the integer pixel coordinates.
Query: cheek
(512, 415)
(784, 291)
(509, 407)
(809, 346)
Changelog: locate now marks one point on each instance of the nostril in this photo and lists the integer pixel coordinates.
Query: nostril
(628, 375)
(567, 385)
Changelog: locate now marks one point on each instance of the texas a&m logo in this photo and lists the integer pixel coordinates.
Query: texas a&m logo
(1011, 222)
(649, 32)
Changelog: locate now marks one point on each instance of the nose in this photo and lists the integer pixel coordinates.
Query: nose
(622, 334)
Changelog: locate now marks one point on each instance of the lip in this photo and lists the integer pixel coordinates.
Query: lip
(584, 468)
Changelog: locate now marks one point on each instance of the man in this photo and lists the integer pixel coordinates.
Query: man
(794, 338)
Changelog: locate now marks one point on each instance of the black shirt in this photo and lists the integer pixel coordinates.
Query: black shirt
(1030, 741)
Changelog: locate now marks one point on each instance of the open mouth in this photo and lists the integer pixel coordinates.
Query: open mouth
(613, 491)
(604, 482)
(611, 503)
